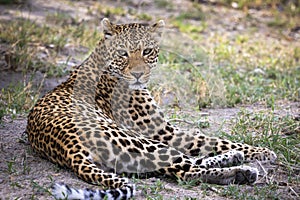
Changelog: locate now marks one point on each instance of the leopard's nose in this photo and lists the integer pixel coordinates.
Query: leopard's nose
(137, 75)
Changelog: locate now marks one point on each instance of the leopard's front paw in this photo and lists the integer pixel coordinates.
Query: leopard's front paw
(246, 175)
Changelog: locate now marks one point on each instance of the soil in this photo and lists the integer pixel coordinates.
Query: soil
(24, 175)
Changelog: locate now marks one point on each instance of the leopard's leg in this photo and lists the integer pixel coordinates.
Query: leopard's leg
(197, 143)
(224, 176)
(84, 168)
(188, 170)
(120, 150)
(81, 162)
(140, 112)
(251, 153)
(64, 147)
(228, 159)
(216, 170)
(123, 151)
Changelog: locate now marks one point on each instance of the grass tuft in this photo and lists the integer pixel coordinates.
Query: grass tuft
(16, 99)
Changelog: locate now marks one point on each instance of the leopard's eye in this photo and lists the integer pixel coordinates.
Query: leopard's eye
(147, 51)
(122, 53)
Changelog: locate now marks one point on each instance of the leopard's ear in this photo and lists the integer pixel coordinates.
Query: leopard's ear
(108, 28)
(157, 29)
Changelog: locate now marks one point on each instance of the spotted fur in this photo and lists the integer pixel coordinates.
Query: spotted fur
(103, 122)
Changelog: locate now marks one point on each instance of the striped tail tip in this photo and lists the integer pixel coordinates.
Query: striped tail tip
(63, 191)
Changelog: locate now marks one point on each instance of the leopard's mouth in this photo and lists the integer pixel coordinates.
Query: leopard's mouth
(137, 85)
(136, 82)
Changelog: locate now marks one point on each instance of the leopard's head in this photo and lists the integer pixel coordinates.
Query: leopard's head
(132, 50)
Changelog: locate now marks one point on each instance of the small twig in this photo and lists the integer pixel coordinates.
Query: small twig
(213, 189)
(293, 191)
(182, 120)
(284, 165)
(261, 166)
(264, 170)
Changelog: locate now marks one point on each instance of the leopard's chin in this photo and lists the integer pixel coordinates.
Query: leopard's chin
(137, 86)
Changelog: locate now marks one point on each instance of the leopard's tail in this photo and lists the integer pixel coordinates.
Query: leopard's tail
(62, 191)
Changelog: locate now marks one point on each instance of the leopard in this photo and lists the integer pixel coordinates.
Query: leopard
(103, 124)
